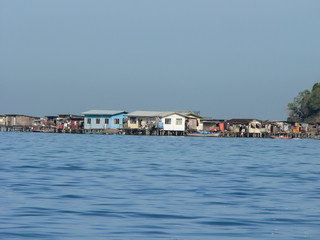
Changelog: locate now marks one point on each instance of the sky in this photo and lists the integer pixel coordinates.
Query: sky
(226, 59)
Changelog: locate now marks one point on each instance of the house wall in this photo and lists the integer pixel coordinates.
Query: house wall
(256, 129)
(133, 125)
(194, 123)
(24, 121)
(102, 125)
(143, 122)
(113, 124)
(2, 120)
(174, 126)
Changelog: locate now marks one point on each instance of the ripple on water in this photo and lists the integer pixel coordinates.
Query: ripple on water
(132, 187)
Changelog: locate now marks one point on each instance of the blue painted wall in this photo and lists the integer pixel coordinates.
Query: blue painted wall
(103, 124)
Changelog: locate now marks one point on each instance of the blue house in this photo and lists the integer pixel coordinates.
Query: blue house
(98, 120)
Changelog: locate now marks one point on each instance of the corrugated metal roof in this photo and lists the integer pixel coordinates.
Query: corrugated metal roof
(148, 114)
(188, 114)
(241, 121)
(176, 113)
(103, 112)
(191, 112)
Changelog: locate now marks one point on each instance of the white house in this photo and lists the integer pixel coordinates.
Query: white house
(174, 122)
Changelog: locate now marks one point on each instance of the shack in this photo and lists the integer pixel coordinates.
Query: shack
(192, 121)
(212, 125)
(20, 123)
(244, 127)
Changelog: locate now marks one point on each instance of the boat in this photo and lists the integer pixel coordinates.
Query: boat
(42, 130)
(203, 134)
(111, 131)
(279, 137)
(36, 131)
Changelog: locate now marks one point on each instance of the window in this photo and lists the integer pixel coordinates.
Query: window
(98, 121)
(133, 120)
(116, 121)
(179, 121)
(167, 121)
(89, 120)
(106, 121)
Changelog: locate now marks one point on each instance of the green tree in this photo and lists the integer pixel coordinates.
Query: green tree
(315, 86)
(314, 100)
(298, 109)
(306, 106)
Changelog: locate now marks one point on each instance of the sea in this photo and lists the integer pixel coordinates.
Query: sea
(64, 186)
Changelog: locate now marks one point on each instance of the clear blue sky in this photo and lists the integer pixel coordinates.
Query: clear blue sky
(226, 58)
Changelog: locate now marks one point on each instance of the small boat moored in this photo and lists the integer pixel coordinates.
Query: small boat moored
(279, 137)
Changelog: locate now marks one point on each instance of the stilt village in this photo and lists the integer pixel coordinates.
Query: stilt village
(180, 123)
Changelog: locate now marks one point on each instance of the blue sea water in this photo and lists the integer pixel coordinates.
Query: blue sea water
(62, 186)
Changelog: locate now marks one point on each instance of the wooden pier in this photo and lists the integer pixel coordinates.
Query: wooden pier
(15, 129)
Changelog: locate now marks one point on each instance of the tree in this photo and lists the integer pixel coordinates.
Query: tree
(306, 106)
(314, 100)
(298, 109)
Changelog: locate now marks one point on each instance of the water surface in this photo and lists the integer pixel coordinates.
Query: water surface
(61, 186)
